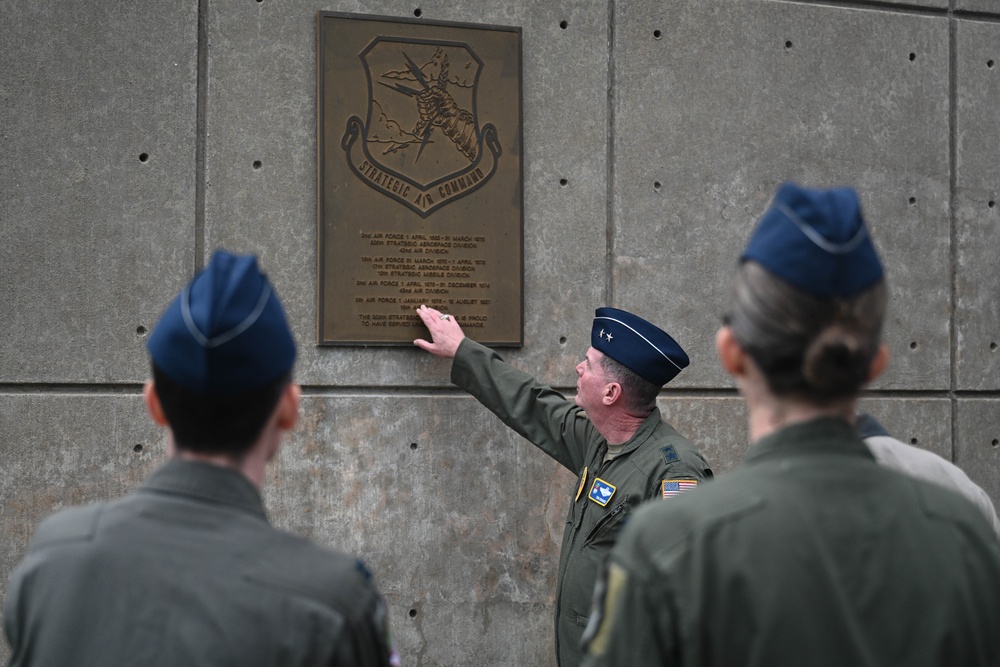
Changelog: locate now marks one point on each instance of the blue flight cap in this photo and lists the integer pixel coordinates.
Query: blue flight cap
(226, 332)
(638, 345)
(817, 241)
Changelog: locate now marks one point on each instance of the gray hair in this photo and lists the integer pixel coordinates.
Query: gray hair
(815, 348)
(639, 393)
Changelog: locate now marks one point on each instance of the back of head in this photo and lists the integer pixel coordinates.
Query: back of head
(809, 296)
(222, 353)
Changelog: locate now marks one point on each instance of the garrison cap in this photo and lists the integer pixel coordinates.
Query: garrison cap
(226, 332)
(638, 345)
(817, 241)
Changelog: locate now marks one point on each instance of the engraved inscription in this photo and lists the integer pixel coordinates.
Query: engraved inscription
(421, 269)
(420, 179)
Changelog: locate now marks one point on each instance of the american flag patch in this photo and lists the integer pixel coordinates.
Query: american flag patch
(674, 487)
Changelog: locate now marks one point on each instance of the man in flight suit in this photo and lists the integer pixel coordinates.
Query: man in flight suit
(611, 436)
(188, 571)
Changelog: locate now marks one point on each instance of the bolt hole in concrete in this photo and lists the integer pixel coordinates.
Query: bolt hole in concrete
(137, 449)
(257, 164)
(657, 185)
(989, 63)
(788, 44)
(991, 203)
(563, 24)
(913, 56)
(140, 331)
(993, 347)
(562, 340)
(913, 441)
(913, 345)
(417, 12)
(414, 446)
(657, 34)
(913, 200)
(143, 157)
(563, 182)
(995, 442)
(413, 613)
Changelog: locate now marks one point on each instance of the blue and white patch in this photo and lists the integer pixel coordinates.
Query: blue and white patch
(601, 492)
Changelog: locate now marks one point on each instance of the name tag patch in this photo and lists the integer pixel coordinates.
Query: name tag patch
(675, 487)
(601, 492)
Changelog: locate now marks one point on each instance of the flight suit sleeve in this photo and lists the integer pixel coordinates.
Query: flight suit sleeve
(628, 626)
(370, 642)
(548, 419)
(12, 620)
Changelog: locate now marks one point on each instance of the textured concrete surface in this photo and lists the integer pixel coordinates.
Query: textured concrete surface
(697, 158)
(977, 442)
(987, 7)
(977, 206)
(653, 135)
(98, 183)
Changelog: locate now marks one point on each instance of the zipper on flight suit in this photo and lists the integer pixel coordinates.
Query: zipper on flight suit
(605, 520)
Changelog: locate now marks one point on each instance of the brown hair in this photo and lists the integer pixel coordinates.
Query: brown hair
(816, 348)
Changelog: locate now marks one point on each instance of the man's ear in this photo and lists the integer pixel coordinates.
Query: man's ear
(288, 407)
(732, 356)
(879, 362)
(153, 406)
(612, 393)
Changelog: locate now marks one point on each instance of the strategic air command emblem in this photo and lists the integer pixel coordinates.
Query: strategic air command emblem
(421, 143)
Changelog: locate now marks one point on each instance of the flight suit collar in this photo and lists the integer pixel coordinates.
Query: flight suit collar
(207, 482)
(823, 435)
(643, 433)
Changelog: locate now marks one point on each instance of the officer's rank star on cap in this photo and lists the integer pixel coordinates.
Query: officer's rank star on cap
(640, 346)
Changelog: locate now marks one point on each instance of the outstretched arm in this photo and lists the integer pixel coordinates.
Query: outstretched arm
(446, 335)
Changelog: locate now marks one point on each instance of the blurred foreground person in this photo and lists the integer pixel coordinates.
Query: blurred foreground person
(923, 464)
(611, 435)
(810, 553)
(188, 571)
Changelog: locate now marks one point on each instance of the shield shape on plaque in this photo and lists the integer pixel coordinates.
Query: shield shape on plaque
(421, 143)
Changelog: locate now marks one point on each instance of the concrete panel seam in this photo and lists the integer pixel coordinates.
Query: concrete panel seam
(201, 140)
(953, 217)
(609, 289)
(875, 5)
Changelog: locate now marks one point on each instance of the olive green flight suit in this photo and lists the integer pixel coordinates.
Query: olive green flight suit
(809, 554)
(560, 428)
(188, 572)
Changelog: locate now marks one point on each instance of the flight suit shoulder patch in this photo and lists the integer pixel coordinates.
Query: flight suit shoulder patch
(669, 454)
(675, 487)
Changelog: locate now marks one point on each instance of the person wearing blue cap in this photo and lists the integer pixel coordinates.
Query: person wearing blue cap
(611, 435)
(810, 553)
(188, 570)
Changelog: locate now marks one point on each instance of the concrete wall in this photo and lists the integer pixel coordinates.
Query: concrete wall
(129, 136)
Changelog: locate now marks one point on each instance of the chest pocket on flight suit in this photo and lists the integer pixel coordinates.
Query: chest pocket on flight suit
(607, 527)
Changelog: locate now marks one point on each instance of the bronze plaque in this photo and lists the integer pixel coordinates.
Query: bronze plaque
(420, 180)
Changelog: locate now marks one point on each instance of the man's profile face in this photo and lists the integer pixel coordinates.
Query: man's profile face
(590, 380)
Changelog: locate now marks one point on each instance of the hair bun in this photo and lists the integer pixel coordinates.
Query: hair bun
(836, 361)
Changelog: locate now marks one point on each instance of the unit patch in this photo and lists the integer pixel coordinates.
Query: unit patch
(675, 487)
(601, 492)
